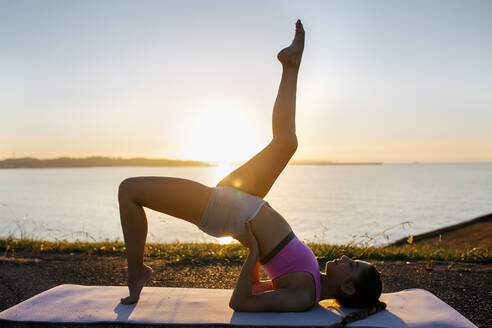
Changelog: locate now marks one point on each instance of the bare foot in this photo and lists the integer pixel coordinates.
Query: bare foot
(135, 284)
(291, 56)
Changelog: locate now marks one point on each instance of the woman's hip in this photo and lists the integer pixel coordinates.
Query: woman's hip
(227, 211)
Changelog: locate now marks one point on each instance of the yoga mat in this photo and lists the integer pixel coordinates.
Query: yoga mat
(163, 305)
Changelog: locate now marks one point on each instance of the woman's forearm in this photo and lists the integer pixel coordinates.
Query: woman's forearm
(243, 288)
(262, 286)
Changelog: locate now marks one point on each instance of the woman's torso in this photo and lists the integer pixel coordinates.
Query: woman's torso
(270, 228)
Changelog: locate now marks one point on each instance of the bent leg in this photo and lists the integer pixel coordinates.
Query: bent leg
(184, 199)
(257, 176)
(181, 198)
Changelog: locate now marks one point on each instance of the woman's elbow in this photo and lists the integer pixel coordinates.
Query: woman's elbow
(234, 304)
(240, 305)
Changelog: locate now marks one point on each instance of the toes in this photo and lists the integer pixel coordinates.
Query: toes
(299, 26)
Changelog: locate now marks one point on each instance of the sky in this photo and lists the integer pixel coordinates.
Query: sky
(386, 81)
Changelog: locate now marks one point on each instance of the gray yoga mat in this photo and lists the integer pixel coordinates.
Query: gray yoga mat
(163, 305)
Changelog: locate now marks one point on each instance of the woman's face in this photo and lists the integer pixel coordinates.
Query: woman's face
(340, 269)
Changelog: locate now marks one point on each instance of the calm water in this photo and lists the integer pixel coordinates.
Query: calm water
(336, 204)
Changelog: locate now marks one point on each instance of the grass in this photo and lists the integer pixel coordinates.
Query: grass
(203, 253)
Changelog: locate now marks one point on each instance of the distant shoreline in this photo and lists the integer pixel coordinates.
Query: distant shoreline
(314, 162)
(67, 162)
(99, 161)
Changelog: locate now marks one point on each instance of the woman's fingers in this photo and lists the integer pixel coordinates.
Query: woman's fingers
(248, 227)
(248, 239)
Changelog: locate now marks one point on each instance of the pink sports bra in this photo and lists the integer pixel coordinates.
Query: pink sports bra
(292, 255)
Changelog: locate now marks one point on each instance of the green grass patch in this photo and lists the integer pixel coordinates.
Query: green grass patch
(202, 253)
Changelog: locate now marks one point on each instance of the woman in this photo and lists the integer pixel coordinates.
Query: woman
(235, 207)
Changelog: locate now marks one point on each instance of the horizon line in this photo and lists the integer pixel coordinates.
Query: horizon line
(298, 161)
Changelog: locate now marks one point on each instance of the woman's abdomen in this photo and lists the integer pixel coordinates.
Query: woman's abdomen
(269, 228)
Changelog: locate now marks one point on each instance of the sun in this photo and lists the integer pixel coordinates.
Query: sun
(221, 134)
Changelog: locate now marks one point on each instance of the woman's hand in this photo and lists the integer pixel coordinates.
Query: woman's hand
(248, 239)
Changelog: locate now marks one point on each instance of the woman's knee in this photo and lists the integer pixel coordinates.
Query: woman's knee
(126, 190)
(287, 143)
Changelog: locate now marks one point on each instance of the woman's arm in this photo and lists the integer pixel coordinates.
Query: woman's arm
(282, 299)
(262, 286)
(279, 300)
(243, 289)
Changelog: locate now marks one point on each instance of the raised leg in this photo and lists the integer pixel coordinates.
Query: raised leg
(258, 174)
(184, 199)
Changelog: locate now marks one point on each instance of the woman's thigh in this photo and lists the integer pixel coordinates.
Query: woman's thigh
(181, 198)
(257, 175)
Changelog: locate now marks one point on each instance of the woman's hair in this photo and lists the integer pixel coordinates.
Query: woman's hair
(368, 288)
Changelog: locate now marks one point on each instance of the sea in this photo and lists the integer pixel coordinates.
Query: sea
(338, 204)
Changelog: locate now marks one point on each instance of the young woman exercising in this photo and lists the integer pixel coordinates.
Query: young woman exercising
(235, 207)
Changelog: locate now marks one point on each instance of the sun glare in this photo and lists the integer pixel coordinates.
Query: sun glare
(225, 240)
(221, 135)
(222, 170)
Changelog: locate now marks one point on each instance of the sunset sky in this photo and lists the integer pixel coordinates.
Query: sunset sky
(390, 81)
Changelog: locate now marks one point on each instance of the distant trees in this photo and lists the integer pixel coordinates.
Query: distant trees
(94, 161)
